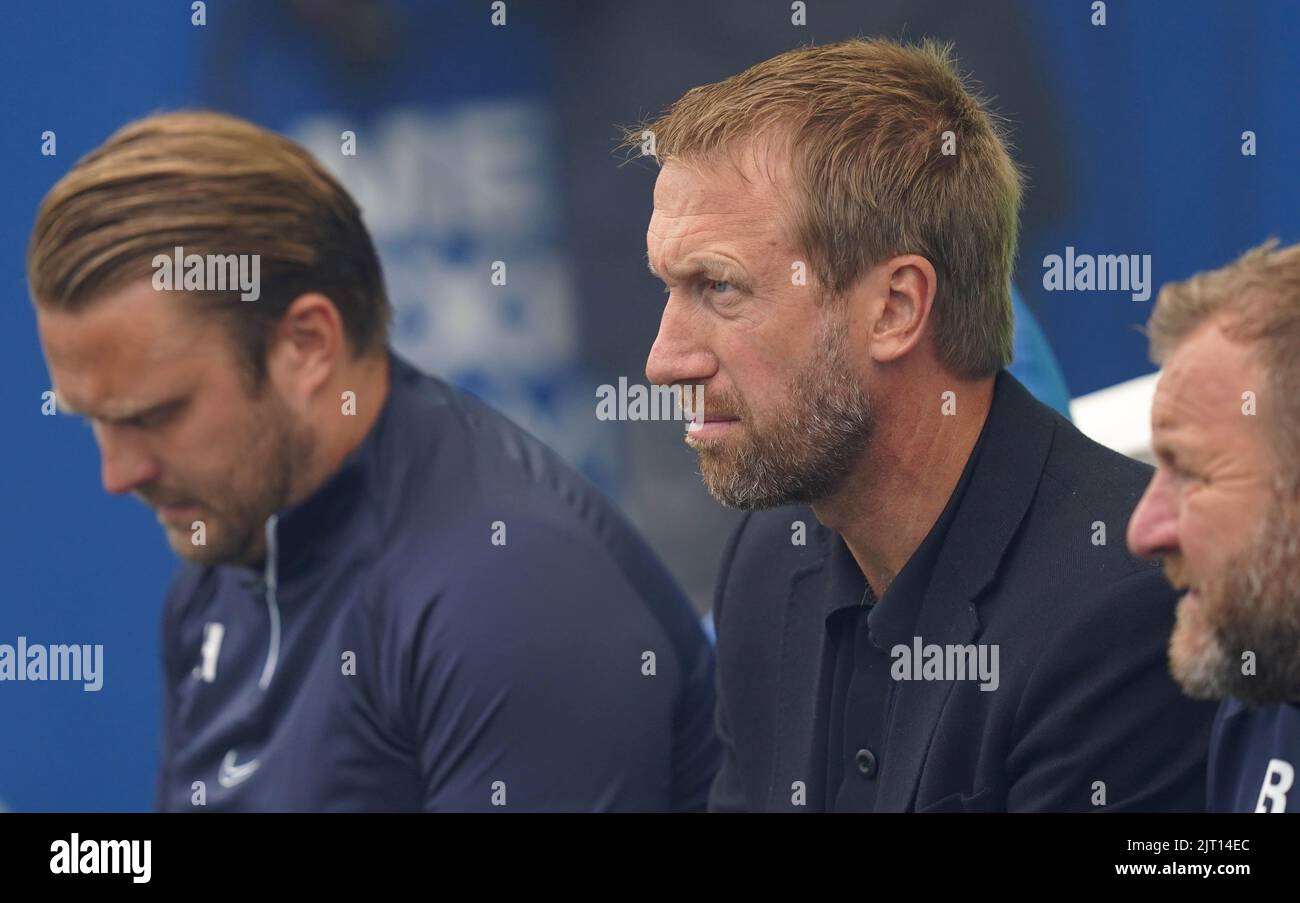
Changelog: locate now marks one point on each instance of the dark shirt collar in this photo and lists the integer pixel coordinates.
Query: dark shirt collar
(891, 618)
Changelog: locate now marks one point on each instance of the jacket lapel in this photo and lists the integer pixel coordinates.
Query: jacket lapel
(1017, 437)
(803, 692)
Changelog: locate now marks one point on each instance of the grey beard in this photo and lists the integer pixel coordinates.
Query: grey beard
(1260, 593)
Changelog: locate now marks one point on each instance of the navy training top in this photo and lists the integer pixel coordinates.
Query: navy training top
(455, 620)
(1254, 753)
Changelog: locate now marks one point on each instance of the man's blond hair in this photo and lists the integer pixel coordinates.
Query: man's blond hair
(1256, 299)
(212, 184)
(891, 153)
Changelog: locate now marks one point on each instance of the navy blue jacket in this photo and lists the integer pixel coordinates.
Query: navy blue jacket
(1254, 753)
(455, 620)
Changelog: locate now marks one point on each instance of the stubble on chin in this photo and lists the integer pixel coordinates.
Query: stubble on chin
(235, 534)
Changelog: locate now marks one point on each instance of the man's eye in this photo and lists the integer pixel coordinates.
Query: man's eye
(1183, 476)
(153, 419)
(719, 286)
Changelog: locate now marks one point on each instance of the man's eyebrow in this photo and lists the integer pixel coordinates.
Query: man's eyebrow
(1174, 452)
(718, 267)
(116, 412)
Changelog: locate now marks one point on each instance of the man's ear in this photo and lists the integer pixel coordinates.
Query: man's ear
(905, 288)
(307, 346)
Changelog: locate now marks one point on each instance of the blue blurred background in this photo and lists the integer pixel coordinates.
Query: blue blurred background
(478, 143)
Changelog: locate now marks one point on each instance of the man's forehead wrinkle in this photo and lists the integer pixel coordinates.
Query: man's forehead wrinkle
(700, 251)
(693, 204)
(1205, 385)
(748, 214)
(1166, 402)
(1169, 405)
(1197, 405)
(690, 238)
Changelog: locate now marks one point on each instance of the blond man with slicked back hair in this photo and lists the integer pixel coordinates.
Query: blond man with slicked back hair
(918, 612)
(1223, 513)
(388, 591)
(211, 184)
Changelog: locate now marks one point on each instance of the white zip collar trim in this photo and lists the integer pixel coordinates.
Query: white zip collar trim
(272, 604)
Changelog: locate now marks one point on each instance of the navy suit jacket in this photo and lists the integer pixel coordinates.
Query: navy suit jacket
(1086, 716)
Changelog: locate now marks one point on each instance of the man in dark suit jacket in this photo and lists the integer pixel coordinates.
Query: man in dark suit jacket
(1084, 714)
(933, 608)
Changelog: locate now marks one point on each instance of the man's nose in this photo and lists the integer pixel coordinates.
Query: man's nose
(1153, 528)
(678, 354)
(125, 462)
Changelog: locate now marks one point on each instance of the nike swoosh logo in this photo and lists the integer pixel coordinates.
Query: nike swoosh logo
(231, 774)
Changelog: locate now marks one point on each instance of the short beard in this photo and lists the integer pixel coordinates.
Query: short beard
(280, 447)
(818, 433)
(1253, 606)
